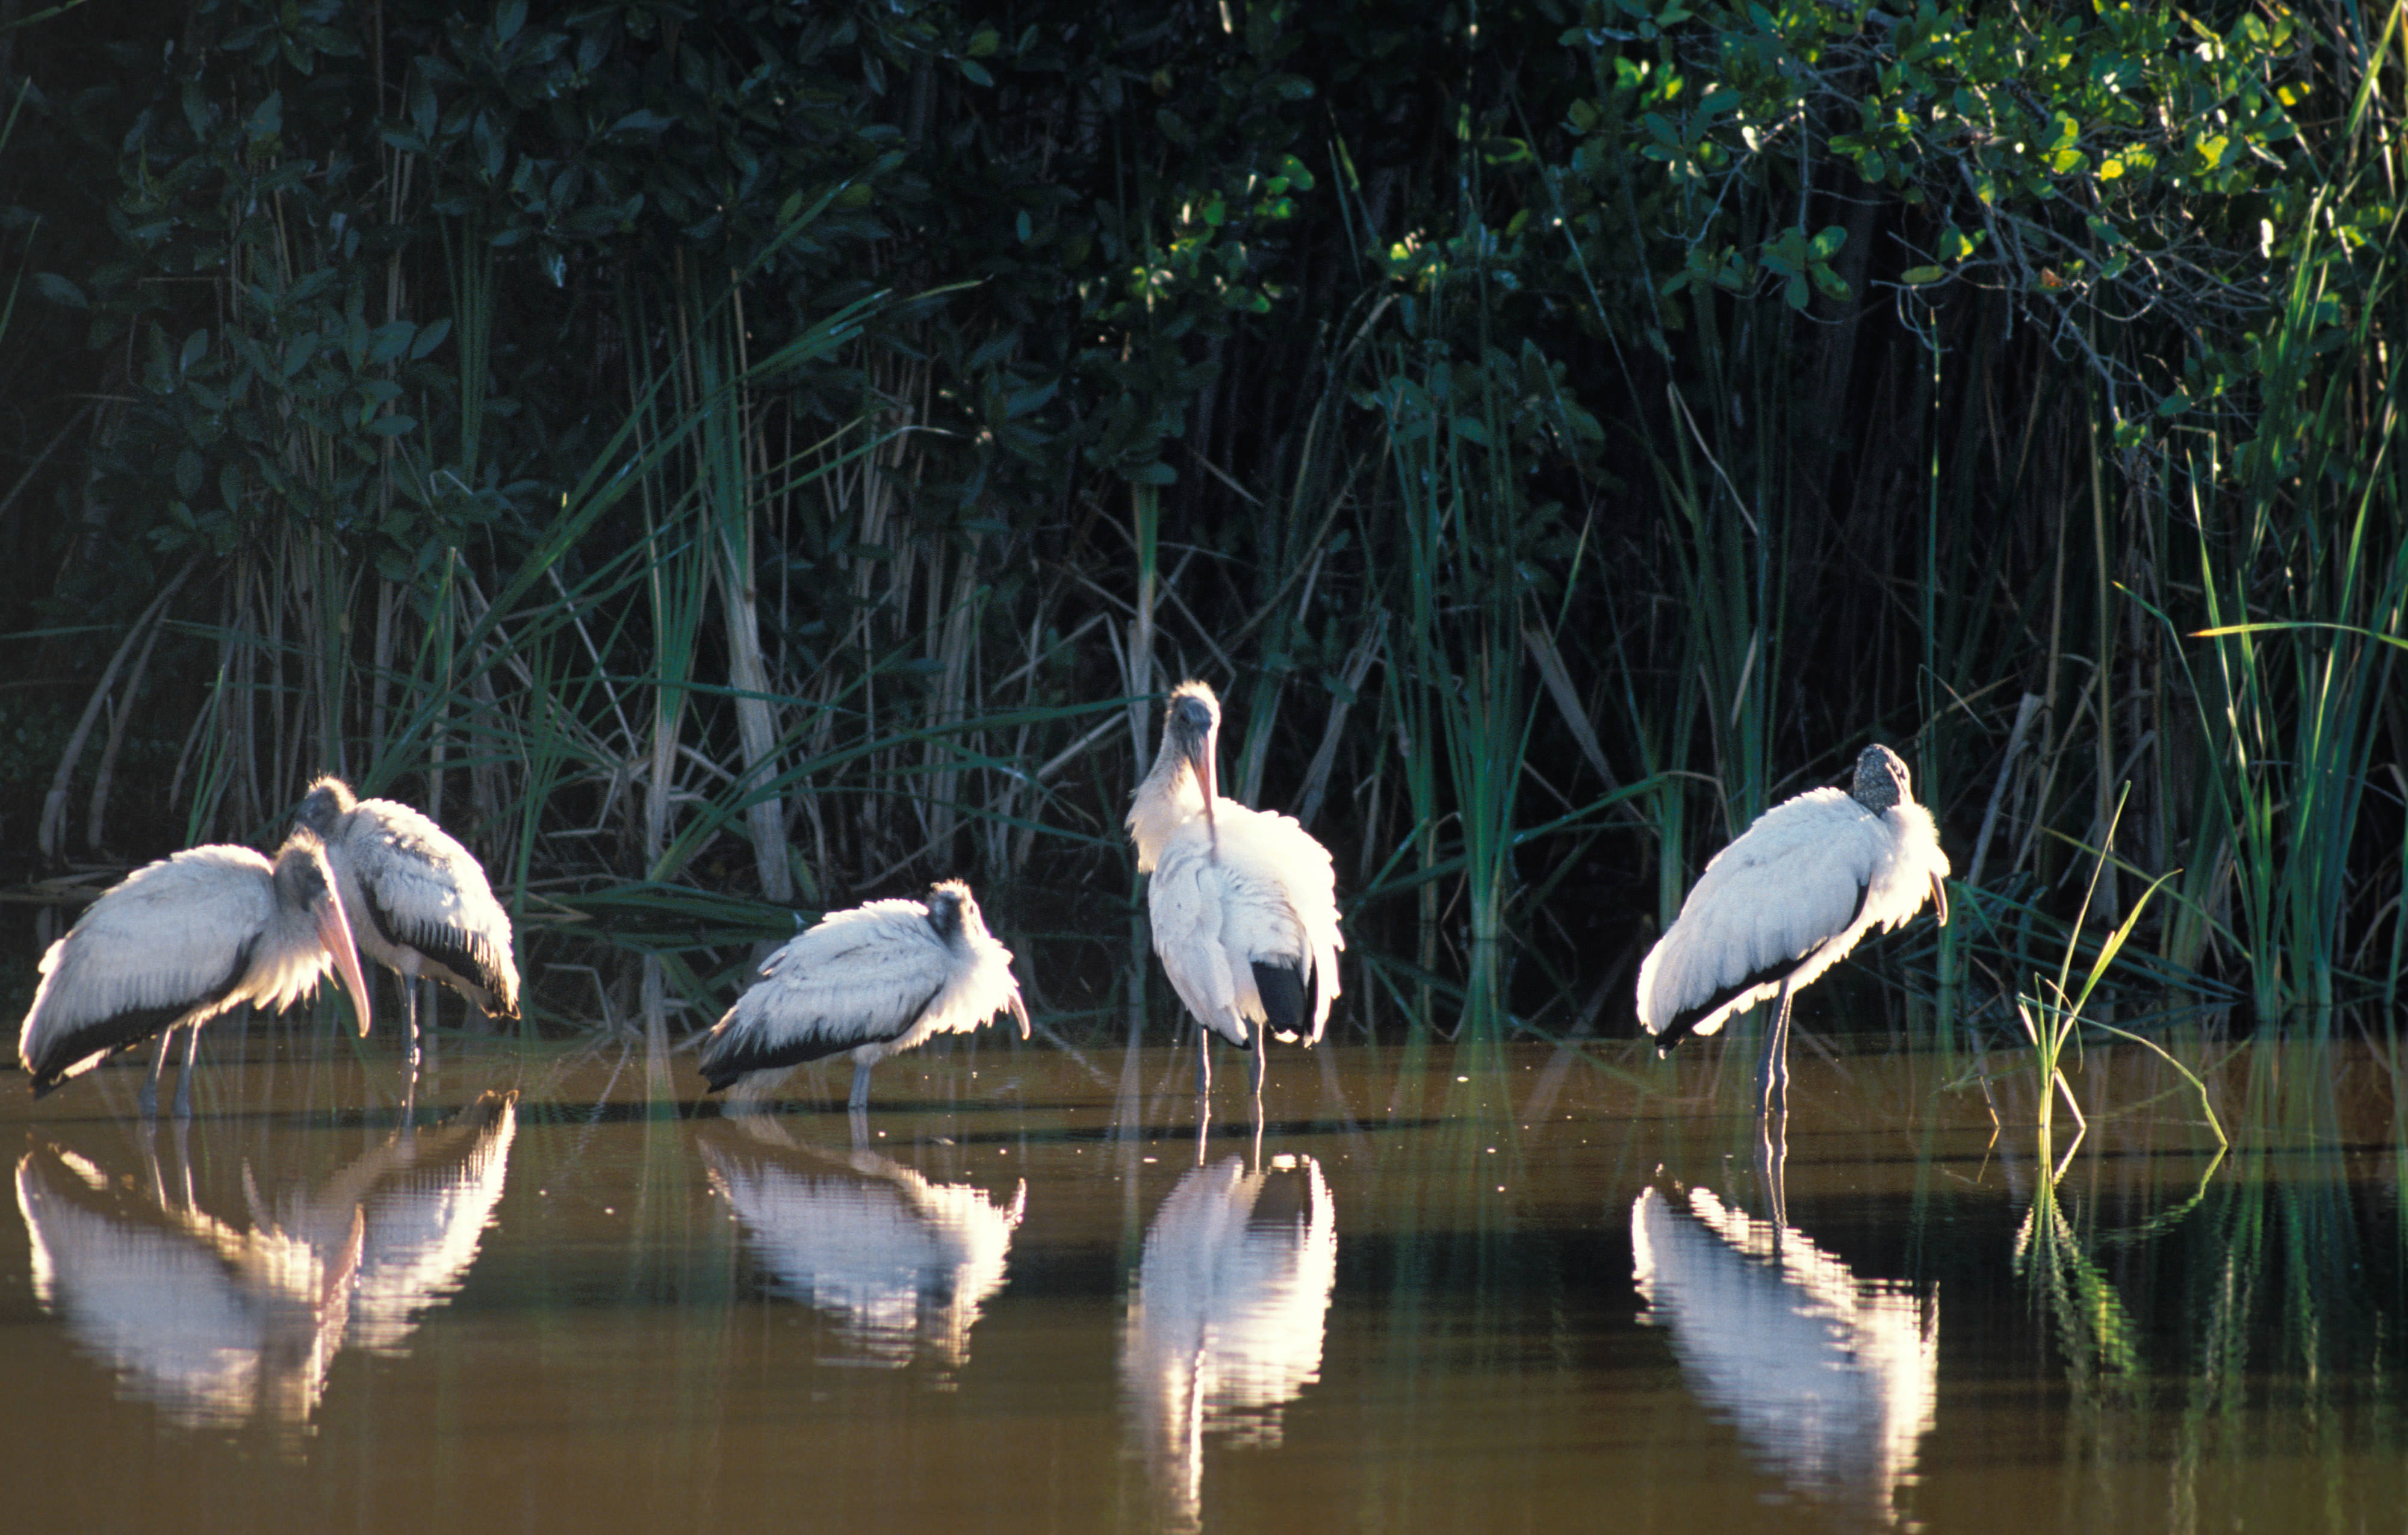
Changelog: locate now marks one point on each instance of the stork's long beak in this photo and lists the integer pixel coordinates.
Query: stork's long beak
(334, 932)
(1940, 899)
(1199, 758)
(1020, 1011)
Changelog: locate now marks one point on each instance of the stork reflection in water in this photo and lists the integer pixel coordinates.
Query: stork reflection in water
(1786, 902)
(1242, 902)
(874, 981)
(1829, 1379)
(179, 942)
(220, 1323)
(902, 1262)
(1225, 1325)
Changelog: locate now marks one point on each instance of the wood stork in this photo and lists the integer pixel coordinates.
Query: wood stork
(1243, 902)
(178, 943)
(874, 981)
(418, 902)
(1786, 902)
(1831, 1380)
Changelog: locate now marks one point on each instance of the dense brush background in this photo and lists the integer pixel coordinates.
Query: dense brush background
(722, 458)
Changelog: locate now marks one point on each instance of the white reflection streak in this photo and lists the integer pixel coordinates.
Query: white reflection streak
(218, 1324)
(425, 1200)
(213, 1324)
(1227, 1323)
(1830, 1379)
(899, 1261)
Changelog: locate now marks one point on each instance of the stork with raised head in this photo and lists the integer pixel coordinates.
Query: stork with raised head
(1786, 902)
(418, 902)
(178, 943)
(875, 981)
(1243, 902)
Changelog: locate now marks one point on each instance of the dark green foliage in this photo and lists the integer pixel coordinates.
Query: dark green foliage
(751, 449)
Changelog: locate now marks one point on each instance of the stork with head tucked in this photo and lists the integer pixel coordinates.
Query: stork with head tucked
(874, 981)
(1786, 902)
(418, 902)
(178, 943)
(1243, 902)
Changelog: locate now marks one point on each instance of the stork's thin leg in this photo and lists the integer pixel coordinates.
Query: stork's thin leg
(148, 1098)
(860, 1099)
(1203, 1059)
(1254, 1072)
(1771, 1155)
(1203, 1125)
(1773, 1070)
(184, 1077)
(409, 1006)
(857, 1119)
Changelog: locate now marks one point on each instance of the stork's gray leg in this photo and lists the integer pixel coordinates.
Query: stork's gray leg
(1254, 1072)
(858, 1119)
(1771, 1155)
(860, 1099)
(148, 1098)
(409, 1006)
(1773, 1070)
(1203, 1059)
(184, 1077)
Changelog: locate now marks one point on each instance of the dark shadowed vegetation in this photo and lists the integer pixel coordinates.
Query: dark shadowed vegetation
(732, 457)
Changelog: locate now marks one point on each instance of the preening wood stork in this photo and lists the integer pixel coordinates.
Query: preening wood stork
(1243, 902)
(874, 981)
(1786, 902)
(1830, 1379)
(178, 943)
(418, 902)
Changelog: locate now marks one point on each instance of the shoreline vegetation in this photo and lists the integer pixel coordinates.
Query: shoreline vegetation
(729, 462)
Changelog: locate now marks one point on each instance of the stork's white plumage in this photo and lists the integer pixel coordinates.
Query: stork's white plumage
(1243, 902)
(874, 981)
(419, 902)
(178, 943)
(1788, 901)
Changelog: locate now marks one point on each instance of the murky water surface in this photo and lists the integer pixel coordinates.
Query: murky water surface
(1493, 1288)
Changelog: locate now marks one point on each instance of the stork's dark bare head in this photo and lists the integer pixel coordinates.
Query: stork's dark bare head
(303, 880)
(950, 905)
(1190, 728)
(1881, 779)
(328, 800)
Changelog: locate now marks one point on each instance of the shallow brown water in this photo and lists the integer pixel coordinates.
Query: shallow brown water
(1490, 1288)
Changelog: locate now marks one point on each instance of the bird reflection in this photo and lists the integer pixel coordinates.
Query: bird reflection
(425, 1201)
(1226, 1327)
(219, 1323)
(902, 1263)
(1828, 1378)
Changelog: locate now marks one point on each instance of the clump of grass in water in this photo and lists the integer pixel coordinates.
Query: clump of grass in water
(2052, 1015)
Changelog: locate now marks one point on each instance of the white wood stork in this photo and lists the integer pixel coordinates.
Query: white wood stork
(1225, 1325)
(875, 981)
(1243, 902)
(1831, 1380)
(178, 943)
(1786, 902)
(418, 902)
